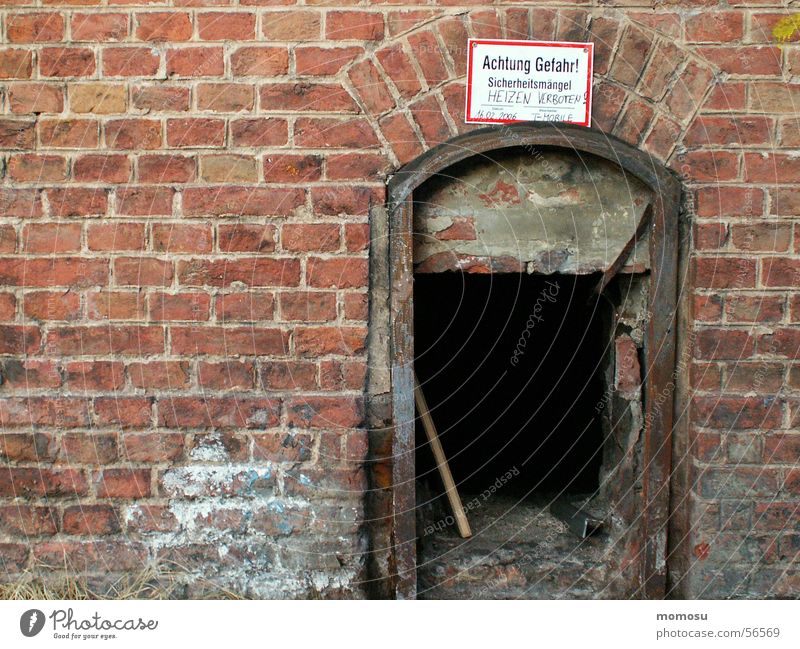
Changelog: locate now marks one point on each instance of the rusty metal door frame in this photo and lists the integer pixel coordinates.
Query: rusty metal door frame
(659, 347)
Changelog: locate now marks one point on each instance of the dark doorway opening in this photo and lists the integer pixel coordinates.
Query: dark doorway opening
(511, 366)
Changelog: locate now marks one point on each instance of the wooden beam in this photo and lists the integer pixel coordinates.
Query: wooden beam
(441, 462)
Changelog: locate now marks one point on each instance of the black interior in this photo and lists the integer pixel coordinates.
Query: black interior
(537, 416)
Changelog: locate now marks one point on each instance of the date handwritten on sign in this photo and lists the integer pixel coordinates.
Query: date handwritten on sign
(529, 81)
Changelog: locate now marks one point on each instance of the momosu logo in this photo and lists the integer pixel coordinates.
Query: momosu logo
(31, 622)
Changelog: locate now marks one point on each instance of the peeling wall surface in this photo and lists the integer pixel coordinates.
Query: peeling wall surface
(546, 211)
(195, 295)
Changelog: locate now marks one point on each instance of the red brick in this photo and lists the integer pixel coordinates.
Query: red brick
(263, 131)
(453, 32)
(123, 412)
(195, 132)
(771, 167)
(371, 88)
(632, 53)
(766, 237)
(320, 341)
(323, 61)
(430, 119)
(24, 203)
(15, 63)
(780, 272)
(16, 134)
(738, 412)
(195, 307)
(69, 133)
(260, 62)
(161, 98)
(337, 272)
(152, 447)
(66, 62)
(19, 339)
(282, 168)
(218, 412)
(116, 236)
(8, 306)
(726, 96)
(142, 271)
(426, 49)
(27, 447)
(46, 27)
(357, 166)
(242, 237)
(128, 340)
(242, 201)
(26, 520)
(115, 305)
(308, 306)
(166, 169)
(785, 201)
(334, 133)
(725, 272)
(398, 66)
(304, 237)
(724, 344)
(744, 60)
(99, 27)
(225, 97)
(336, 199)
(738, 131)
(195, 62)
(17, 482)
(102, 168)
(90, 376)
(282, 447)
(229, 341)
(750, 308)
(398, 132)
(245, 307)
(145, 201)
(730, 201)
(226, 375)
(325, 412)
(354, 25)
(71, 272)
(130, 62)
(27, 98)
(133, 133)
(709, 165)
(715, 27)
(182, 238)
(8, 243)
(167, 375)
(56, 305)
(166, 26)
(225, 26)
(29, 374)
(289, 375)
(306, 96)
(293, 26)
(92, 556)
(90, 520)
(123, 483)
(51, 238)
(356, 306)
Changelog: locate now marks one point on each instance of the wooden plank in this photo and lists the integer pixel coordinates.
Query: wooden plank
(441, 462)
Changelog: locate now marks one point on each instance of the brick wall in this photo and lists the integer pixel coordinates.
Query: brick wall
(184, 232)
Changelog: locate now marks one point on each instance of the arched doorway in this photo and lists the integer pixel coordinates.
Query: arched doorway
(641, 550)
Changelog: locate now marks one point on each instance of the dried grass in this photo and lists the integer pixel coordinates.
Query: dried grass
(154, 582)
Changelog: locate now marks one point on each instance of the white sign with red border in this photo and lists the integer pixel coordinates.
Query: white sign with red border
(529, 81)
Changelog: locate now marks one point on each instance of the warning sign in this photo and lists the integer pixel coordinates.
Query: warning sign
(529, 81)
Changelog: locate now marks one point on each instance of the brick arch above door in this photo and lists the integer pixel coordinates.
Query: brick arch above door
(647, 87)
